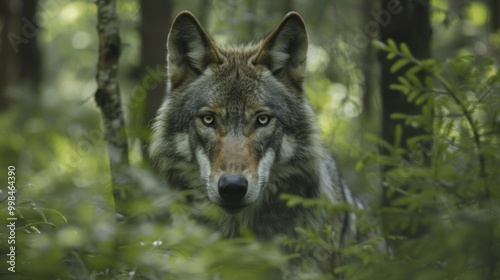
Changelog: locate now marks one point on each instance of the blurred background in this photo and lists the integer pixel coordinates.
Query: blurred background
(49, 55)
(51, 126)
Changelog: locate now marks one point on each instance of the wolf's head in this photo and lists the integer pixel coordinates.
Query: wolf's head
(235, 121)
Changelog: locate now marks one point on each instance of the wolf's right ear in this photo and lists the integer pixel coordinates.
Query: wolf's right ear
(190, 49)
(284, 50)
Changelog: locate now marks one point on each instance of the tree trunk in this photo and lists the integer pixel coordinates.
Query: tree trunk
(29, 53)
(368, 66)
(494, 15)
(204, 9)
(156, 20)
(108, 99)
(251, 20)
(409, 23)
(19, 52)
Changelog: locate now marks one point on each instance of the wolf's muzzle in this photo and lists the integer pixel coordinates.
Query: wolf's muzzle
(232, 190)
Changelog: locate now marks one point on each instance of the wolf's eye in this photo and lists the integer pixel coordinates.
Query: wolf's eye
(263, 120)
(208, 120)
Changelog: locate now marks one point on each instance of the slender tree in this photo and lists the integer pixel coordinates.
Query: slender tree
(368, 65)
(494, 15)
(20, 58)
(405, 21)
(108, 99)
(204, 8)
(156, 19)
(7, 53)
(29, 53)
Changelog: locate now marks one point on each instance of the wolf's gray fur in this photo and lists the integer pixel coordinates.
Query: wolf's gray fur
(236, 128)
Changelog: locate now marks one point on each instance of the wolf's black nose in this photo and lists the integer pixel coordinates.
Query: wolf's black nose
(233, 187)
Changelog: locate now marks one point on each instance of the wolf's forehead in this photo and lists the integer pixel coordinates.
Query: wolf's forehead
(238, 84)
(237, 52)
(236, 80)
(236, 95)
(237, 69)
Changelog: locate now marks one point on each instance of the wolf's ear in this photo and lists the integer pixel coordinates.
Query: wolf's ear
(284, 50)
(190, 49)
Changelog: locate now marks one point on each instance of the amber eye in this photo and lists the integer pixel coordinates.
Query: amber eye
(208, 120)
(263, 120)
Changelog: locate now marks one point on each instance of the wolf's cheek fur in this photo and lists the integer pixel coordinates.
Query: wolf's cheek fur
(182, 147)
(287, 148)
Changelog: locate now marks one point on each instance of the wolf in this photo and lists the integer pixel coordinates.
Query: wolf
(237, 131)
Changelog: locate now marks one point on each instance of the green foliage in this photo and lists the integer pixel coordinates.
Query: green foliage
(445, 180)
(88, 243)
(66, 225)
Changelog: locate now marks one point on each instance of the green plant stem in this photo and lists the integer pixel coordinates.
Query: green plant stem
(34, 224)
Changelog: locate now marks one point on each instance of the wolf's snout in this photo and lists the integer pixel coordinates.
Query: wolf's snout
(233, 187)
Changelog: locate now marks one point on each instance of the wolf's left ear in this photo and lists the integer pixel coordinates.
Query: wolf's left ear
(284, 50)
(190, 49)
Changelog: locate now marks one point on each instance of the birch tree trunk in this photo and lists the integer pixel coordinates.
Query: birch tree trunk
(108, 99)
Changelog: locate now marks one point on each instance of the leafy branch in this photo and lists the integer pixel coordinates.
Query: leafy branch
(412, 86)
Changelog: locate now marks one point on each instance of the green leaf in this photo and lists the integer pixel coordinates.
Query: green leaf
(429, 65)
(291, 200)
(413, 78)
(404, 81)
(414, 142)
(405, 50)
(399, 116)
(398, 134)
(489, 61)
(429, 82)
(427, 110)
(379, 141)
(401, 88)
(422, 98)
(380, 45)
(413, 95)
(414, 69)
(362, 162)
(398, 64)
(392, 45)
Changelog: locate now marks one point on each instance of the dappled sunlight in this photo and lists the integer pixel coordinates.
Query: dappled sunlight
(70, 12)
(317, 59)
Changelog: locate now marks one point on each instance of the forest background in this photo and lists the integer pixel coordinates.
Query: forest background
(406, 94)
